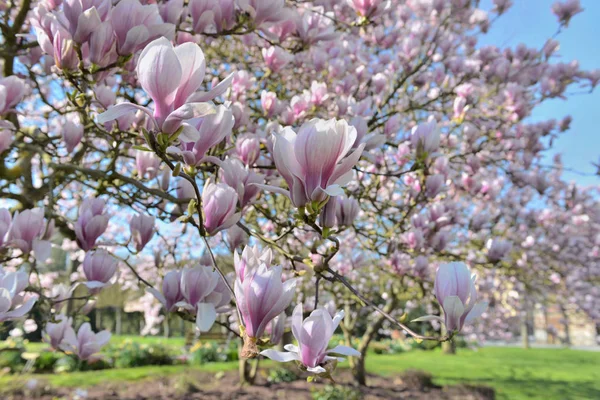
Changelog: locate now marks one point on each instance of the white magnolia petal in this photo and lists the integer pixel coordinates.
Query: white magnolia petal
(476, 311)
(427, 318)
(280, 356)
(206, 316)
(344, 350)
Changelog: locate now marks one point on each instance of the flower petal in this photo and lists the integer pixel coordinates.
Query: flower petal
(279, 356)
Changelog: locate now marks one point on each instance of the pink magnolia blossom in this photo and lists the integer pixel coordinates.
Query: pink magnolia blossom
(171, 76)
(219, 203)
(212, 16)
(142, 230)
(171, 291)
(276, 58)
(370, 8)
(12, 90)
(565, 10)
(261, 296)
(251, 258)
(91, 224)
(456, 293)
(86, 343)
(72, 134)
(147, 164)
(26, 233)
(243, 180)
(313, 335)
(12, 303)
(99, 267)
(56, 332)
(313, 161)
(248, 148)
(211, 130)
(135, 25)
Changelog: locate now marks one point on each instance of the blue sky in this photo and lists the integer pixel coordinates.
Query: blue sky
(532, 22)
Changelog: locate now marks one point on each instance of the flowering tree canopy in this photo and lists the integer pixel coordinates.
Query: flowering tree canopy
(361, 160)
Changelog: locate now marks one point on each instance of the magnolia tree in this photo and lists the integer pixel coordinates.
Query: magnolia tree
(361, 160)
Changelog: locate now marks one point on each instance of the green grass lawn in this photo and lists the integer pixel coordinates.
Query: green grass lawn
(514, 373)
(175, 342)
(548, 374)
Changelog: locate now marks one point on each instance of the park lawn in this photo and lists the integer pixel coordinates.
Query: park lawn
(174, 342)
(515, 373)
(91, 378)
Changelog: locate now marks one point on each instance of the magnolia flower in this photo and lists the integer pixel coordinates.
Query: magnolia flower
(236, 237)
(497, 249)
(212, 16)
(425, 138)
(12, 90)
(147, 164)
(243, 180)
(6, 135)
(433, 185)
(171, 76)
(86, 343)
(276, 58)
(250, 259)
(268, 101)
(247, 148)
(264, 11)
(327, 218)
(261, 296)
(346, 211)
(313, 335)
(72, 134)
(91, 224)
(171, 291)
(218, 205)
(12, 305)
(276, 328)
(99, 267)
(200, 295)
(564, 11)
(5, 220)
(313, 161)
(142, 230)
(27, 233)
(370, 8)
(212, 130)
(135, 25)
(455, 291)
(55, 333)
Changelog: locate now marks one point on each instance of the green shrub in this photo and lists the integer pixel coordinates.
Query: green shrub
(72, 364)
(12, 360)
(335, 392)
(130, 354)
(280, 375)
(45, 362)
(208, 352)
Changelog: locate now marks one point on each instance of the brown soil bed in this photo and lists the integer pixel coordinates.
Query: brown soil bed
(197, 385)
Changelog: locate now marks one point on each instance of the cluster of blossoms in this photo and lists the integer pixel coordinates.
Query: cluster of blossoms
(361, 144)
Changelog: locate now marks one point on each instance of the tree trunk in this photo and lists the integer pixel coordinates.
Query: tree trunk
(525, 333)
(448, 347)
(565, 322)
(357, 364)
(247, 371)
(358, 369)
(98, 319)
(166, 327)
(118, 321)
